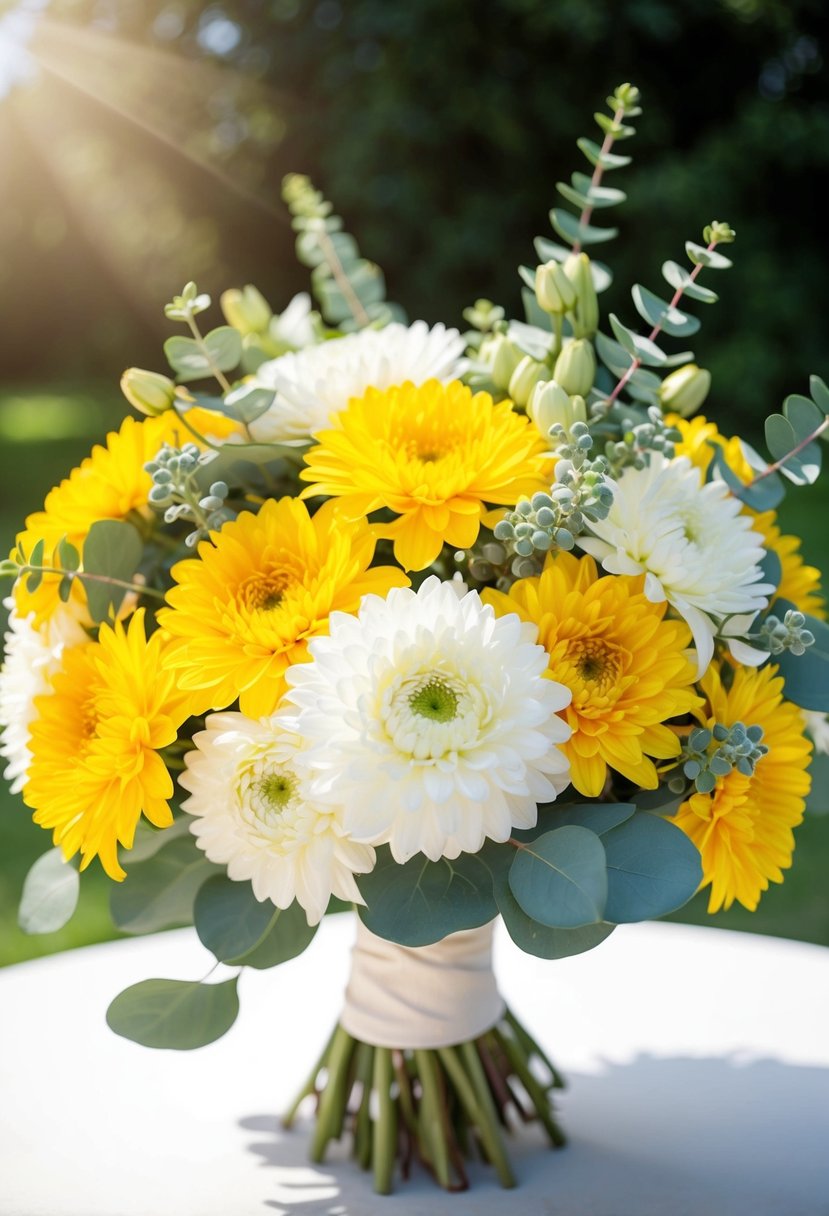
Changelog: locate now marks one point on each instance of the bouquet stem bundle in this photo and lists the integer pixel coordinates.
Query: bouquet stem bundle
(437, 1105)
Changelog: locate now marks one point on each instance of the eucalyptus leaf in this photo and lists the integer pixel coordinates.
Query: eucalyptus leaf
(599, 817)
(149, 839)
(573, 230)
(113, 550)
(421, 901)
(543, 941)
(607, 160)
(50, 894)
(175, 1014)
(820, 393)
(662, 800)
(531, 339)
(187, 358)
(804, 416)
(535, 315)
(560, 878)
(68, 556)
(772, 568)
(224, 348)
(240, 929)
(635, 344)
(701, 256)
(248, 402)
(678, 277)
(652, 869)
(659, 312)
(598, 196)
(159, 893)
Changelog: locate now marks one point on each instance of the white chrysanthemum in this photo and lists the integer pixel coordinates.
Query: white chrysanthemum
(817, 724)
(253, 812)
(695, 547)
(314, 384)
(431, 721)
(32, 658)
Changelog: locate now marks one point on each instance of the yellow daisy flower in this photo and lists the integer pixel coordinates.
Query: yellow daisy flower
(244, 610)
(95, 765)
(108, 484)
(743, 829)
(624, 663)
(799, 583)
(432, 454)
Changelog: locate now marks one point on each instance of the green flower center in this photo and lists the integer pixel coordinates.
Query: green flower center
(435, 700)
(276, 790)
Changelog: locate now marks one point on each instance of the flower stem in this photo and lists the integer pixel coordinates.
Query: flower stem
(384, 1132)
(224, 383)
(138, 588)
(598, 171)
(341, 278)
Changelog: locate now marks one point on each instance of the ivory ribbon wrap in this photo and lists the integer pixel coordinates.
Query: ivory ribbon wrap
(421, 996)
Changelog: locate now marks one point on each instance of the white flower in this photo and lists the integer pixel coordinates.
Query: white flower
(313, 385)
(32, 658)
(692, 542)
(817, 725)
(295, 326)
(253, 812)
(431, 721)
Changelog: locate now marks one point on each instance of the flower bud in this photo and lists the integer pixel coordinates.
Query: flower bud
(548, 405)
(685, 389)
(150, 393)
(246, 310)
(576, 367)
(586, 311)
(526, 376)
(503, 357)
(553, 289)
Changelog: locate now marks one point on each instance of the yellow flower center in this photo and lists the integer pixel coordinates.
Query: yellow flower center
(265, 590)
(596, 661)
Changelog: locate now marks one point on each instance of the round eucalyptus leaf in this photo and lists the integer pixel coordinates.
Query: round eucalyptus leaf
(175, 1014)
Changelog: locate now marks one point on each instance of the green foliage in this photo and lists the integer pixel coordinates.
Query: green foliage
(174, 1014)
(652, 868)
(791, 436)
(159, 893)
(112, 551)
(350, 289)
(806, 676)
(422, 901)
(50, 894)
(195, 359)
(560, 880)
(242, 930)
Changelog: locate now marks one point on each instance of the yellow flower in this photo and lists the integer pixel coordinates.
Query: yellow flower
(95, 764)
(108, 484)
(743, 829)
(623, 662)
(244, 610)
(799, 583)
(433, 455)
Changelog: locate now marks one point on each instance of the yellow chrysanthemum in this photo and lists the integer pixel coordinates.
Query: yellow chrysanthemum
(799, 583)
(95, 765)
(743, 829)
(244, 610)
(432, 454)
(624, 663)
(109, 484)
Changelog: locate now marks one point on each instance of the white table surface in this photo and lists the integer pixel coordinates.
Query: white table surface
(698, 1063)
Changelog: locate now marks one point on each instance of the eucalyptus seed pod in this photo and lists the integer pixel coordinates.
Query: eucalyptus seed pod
(575, 367)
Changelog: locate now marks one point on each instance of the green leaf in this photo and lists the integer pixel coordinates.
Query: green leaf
(804, 416)
(572, 196)
(641, 348)
(806, 676)
(187, 358)
(820, 393)
(112, 549)
(224, 347)
(535, 314)
(527, 276)
(607, 160)
(68, 556)
(421, 901)
(652, 869)
(36, 559)
(50, 894)
(310, 252)
(597, 196)
(148, 839)
(659, 312)
(65, 589)
(802, 468)
(240, 929)
(701, 256)
(174, 1014)
(159, 893)
(764, 496)
(248, 402)
(560, 879)
(772, 568)
(599, 817)
(572, 230)
(677, 276)
(663, 800)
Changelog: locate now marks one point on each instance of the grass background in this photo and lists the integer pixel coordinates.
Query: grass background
(43, 434)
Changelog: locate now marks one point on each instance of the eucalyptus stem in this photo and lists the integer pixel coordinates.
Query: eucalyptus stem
(657, 329)
(341, 278)
(598, 170)
(139, 588)
(778, 464)
(214, 368)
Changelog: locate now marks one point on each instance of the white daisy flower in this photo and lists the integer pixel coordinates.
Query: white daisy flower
(254, 813)
(692, 542)
(431, 721)
(314, 384)
(295, 324)
(817, 724)
(32, 658)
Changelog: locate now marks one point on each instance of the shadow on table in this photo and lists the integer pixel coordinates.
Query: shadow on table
(681, 1135)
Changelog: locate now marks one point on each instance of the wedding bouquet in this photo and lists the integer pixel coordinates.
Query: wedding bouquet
(442, 626)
